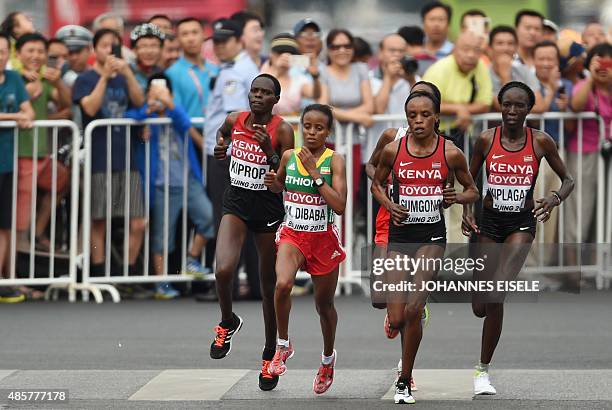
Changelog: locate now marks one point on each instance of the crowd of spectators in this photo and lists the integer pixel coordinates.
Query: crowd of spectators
(86, 75)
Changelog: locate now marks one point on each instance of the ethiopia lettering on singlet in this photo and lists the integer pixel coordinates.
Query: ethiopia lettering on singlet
(422, 200)
(509, 183)
(305, 211)
(248, 164)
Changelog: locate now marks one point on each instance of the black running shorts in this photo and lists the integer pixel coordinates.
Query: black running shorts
(262, 211)
(499, 225)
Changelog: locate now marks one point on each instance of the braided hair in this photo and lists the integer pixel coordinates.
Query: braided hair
(522, 86)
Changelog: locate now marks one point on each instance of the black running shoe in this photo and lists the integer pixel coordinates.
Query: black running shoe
(266, 380)
(222, 344)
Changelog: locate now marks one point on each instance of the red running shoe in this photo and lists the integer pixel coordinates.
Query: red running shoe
(277, 365)
(325, 376)
(267, 381)
(391, 333)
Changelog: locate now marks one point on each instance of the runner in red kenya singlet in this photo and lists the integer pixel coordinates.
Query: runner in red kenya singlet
(381, 235)
(420, 162)
(258, 139)
(511, 154)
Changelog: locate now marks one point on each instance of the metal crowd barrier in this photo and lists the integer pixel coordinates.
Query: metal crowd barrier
(350, 273)
(36, 275)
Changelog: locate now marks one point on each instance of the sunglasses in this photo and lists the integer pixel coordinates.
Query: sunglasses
(336, 47)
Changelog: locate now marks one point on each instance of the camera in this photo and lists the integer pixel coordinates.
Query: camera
(410, 65)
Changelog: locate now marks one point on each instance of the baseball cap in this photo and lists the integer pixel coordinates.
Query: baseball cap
(302, 24)
(225, 29)
(284, 43)
(145, 30)
(75, 37)
(551, 25)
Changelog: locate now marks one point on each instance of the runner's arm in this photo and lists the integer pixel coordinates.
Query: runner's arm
(335, 195)
(398, 212)
(275, 180)
(386, 137)
(550, 152)
(224, 136)
(285, 139)
(458, 165)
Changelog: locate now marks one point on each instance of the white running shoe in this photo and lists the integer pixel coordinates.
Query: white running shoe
(482, 384)
(413, 386)
(402, 394)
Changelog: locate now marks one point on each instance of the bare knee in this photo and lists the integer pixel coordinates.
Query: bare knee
(138, 226)
(283, 287)
(413, 312)
(324, 307)
(396, 320)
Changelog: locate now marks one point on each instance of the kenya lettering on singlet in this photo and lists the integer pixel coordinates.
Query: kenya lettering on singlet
(511, 174)
(248, 164)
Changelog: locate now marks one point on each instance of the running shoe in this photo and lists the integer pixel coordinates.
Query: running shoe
(482, 384)
(165, 290)
(222, 345)
(267, 381)
(413, 386)
(403, 394)
(391, 333)
(194, 268)
(325, 376)
(10, 295)
(278, 365)
(425, 317)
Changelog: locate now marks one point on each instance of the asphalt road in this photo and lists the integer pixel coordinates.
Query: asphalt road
(555, 353)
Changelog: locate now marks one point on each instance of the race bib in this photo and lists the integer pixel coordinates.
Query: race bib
(423, 203)
(248, 165)
(305, 212)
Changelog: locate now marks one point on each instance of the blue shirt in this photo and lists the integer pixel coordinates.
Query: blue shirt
(178, 132)
(191, 85)
(230, 94)
(445, 50)
(115, 104)
(552, 126)
(12, 95)
(143, 78)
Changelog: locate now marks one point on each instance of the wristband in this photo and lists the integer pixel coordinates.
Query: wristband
(556, 195)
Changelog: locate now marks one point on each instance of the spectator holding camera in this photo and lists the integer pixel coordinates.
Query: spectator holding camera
(43, 86)
(167, 153)
(591, 94)
(464, 82)
(415, 47)
(294, 84)
(106, 92)
(392, 81)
